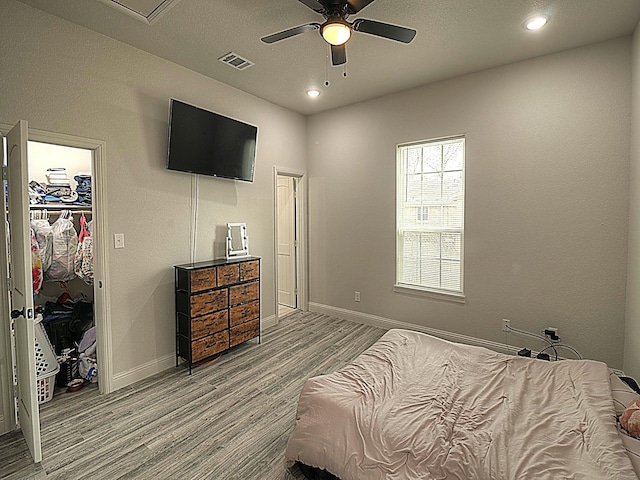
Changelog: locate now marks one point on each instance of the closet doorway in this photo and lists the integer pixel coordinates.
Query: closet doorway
(61, 217)
(83, 158)
(290, 243)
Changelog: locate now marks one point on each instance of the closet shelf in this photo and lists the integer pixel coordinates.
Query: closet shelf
(58, 206)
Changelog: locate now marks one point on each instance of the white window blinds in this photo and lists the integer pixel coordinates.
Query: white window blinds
(430, 216)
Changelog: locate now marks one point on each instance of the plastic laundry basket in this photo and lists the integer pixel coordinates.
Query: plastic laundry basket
(46, 364)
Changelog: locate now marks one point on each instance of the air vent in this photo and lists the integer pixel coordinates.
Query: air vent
(236, 61)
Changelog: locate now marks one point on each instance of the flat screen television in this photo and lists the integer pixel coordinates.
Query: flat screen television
(208, 143)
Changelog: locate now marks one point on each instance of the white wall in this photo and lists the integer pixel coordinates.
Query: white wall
(43, 156)
(67, 79)
(547, 158)
(632, 330)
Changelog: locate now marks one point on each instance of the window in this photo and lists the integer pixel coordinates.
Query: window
(422, 214)
(430, 216)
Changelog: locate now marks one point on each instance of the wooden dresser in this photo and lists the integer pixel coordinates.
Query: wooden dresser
(217, 307)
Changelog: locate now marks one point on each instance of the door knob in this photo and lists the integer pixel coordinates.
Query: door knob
(17, 313)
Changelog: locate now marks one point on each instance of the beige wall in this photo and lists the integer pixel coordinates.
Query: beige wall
(67, 79)
(547, 160)
(547, 184)
(632, 331)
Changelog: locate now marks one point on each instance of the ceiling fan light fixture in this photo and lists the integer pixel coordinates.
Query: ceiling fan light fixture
(336, 31)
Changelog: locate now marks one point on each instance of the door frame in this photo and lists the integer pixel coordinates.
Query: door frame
(102, 307)
(286, 214)
(301, 220)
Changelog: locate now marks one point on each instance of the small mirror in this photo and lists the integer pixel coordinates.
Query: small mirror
(237, 240)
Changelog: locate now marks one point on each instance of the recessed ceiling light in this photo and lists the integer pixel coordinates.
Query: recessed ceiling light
(313, 93)
(536, 23)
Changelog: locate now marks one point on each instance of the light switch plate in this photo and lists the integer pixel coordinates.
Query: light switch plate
(118, 240)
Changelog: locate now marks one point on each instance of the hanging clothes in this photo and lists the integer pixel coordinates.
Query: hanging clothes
(83, 264)
(44, 236)
(36, 263)
(65, 245)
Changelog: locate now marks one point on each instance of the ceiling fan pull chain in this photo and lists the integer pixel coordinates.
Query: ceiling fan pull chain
(326, 66)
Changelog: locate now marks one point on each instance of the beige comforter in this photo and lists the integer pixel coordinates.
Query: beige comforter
(417, 407)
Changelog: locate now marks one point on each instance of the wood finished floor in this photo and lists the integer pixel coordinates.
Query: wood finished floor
(228, 420)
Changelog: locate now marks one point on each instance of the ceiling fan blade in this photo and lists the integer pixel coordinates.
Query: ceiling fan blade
(276, 37)
(356, 5)
(313, 5)
(338, 54)
(386, 30)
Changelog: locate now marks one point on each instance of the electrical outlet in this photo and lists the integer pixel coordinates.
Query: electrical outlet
(551, 333)
(357, 297)
(506, 324)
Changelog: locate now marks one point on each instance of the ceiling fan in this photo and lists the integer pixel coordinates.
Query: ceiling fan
(336, 30)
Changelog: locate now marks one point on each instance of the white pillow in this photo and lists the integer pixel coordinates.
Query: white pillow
(632, 446)
(622, 393)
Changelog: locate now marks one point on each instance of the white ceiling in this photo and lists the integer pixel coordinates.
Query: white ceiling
(455, 37)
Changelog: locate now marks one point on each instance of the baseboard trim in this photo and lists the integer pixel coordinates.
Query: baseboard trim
(121, 380)
(145, 370)
(388, 323)
(268, 322)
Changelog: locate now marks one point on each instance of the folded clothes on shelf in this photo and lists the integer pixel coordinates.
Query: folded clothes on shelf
(83, 189)
(57, 176)
(58, 190)
(36, 193)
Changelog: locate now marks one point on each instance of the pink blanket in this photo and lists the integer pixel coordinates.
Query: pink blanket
(417, 407)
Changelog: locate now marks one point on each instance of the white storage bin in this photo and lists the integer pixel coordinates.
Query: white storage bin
(46, 364)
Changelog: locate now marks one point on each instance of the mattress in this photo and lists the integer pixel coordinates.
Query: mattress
(414, 406)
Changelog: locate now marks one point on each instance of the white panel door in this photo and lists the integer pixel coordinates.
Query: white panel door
(286, 242)
(7, 400)
(22, 287)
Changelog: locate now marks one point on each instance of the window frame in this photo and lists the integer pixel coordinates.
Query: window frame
(457, 296)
